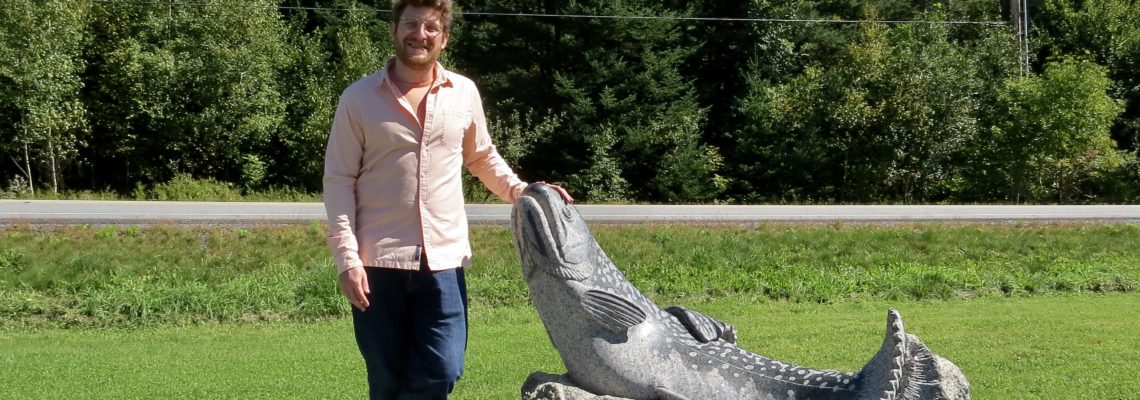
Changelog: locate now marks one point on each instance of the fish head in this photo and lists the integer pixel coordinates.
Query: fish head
(551, 236)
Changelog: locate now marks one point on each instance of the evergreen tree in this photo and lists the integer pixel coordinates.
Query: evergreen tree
(628, 114)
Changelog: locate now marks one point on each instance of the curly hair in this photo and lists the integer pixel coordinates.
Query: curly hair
(443, 6)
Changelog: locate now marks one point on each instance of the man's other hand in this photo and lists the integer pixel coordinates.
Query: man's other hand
(353, 284)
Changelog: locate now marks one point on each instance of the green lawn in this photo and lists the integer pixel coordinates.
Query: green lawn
(132, 276)
(1027, 311)
(1049, 347)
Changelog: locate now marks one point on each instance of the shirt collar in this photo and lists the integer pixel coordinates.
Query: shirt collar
(442, 75)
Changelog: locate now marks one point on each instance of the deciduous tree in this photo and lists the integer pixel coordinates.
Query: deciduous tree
(40, 62)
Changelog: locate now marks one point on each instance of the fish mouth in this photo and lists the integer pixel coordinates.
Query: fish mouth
(550, 234)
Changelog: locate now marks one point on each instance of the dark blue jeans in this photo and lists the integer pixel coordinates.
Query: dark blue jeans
(413, 334)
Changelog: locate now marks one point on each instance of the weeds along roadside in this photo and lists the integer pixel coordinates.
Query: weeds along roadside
(126, 276)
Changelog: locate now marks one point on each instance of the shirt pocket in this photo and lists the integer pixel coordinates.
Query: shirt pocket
(452, 125)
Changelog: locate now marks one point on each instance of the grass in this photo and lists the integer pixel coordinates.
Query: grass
(823, 264)
(118, 312)
(179, 188)
(111, 275)
(106, 276)
(1042, 347)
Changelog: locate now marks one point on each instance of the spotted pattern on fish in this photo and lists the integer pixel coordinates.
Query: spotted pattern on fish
(616, 342)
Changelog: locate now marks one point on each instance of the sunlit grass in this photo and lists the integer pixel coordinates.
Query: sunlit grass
(132, 275)
(1043, 347)
(1027, 311)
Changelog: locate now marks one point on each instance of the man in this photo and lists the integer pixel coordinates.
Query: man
(393, 194)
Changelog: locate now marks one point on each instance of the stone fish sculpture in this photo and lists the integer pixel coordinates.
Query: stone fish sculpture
(615, 343)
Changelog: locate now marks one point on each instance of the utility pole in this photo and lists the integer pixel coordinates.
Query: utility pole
(1019, 18)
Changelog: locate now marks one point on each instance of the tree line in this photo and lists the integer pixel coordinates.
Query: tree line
(708, 101)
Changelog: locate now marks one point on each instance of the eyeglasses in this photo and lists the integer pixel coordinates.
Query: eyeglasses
(432, 27)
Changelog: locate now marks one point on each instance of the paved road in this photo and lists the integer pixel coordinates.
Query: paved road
(150, 212)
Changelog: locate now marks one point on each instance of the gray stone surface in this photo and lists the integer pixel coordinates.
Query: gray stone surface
(543, 386)
(615, 342)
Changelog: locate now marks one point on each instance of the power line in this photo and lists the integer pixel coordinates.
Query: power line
(567, 16)
(231, 6)
(719, 19)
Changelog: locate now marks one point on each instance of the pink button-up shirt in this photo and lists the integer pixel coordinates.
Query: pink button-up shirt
(393, 189)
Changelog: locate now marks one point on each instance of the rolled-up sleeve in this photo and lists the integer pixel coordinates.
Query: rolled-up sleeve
(484, 161)
(342, 168)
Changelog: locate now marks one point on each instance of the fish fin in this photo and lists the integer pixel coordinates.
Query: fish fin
(614, 312)
(905, 369)
(703, 328)
(576, 272)
(664, 393)
(880, 378)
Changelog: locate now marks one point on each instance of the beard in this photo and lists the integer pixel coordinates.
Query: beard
(414, 59)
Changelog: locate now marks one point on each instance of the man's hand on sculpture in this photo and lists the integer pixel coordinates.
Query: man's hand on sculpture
(353, 284)
(561, 192)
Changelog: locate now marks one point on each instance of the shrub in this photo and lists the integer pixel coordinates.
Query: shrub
(185, 188)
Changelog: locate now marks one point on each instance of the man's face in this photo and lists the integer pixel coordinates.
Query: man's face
(419, 37)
